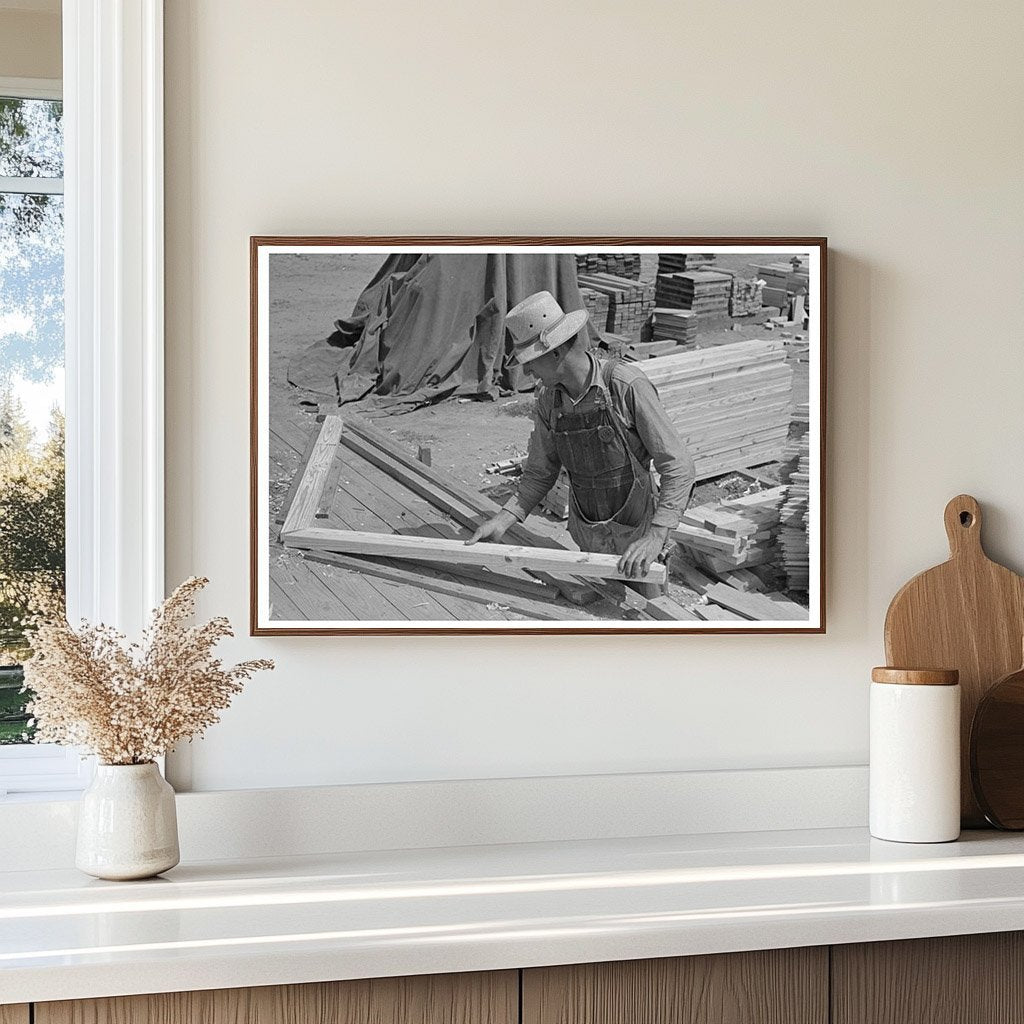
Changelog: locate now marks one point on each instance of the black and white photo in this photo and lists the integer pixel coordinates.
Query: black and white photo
(537, 435)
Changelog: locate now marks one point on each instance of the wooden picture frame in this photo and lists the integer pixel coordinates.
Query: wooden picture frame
(358, 515)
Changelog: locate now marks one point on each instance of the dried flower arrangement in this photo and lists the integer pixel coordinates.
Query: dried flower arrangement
(130, 703)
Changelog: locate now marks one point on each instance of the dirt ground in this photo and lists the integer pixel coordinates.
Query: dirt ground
(309, 292)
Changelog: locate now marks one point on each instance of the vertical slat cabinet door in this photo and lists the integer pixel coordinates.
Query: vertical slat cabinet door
(480, 998)
(14, 1014)
(959, 979)
(776, 986)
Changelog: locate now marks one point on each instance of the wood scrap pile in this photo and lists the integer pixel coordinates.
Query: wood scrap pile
(678, 262)
(746, 297)
(734, 533)
(621, 264)
(744, 595)
(678, 325)
(702, 291)
(730, 403)
(629, 302)
(795, 473)
(596, 304)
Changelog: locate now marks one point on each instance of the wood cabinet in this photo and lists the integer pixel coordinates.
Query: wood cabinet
(776, 986)
(967, 979)
(962, 979)
(481, 998)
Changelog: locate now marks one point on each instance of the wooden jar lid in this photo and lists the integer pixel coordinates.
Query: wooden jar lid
(916, 676)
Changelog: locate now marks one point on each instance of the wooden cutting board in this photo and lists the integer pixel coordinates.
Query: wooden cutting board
(997, 752)
(967, 614)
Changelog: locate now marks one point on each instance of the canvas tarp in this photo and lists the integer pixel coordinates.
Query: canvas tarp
(432, 326)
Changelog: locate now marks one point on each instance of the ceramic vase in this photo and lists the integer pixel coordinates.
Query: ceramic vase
(127, 825)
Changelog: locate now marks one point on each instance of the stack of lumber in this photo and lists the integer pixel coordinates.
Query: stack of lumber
(787, 277)
(747, 295)
(621, 264)
(596, 304)
(678, 325)
(629, 302)
(727, 535)
(702, 291)
(678, 262)
(730, 403)
(795, 473)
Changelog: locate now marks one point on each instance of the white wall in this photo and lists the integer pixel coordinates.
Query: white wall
(895, 129)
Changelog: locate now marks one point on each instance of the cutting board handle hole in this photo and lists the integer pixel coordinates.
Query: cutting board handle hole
(966, 519)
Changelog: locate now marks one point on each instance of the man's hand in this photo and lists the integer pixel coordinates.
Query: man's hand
(495, 527)
(636, 559)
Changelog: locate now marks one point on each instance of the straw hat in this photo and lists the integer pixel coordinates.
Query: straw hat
(539, 324)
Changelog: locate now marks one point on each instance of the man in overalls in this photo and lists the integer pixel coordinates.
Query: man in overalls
(603, 421)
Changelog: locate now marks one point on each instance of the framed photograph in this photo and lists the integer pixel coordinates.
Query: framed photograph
(537, 435)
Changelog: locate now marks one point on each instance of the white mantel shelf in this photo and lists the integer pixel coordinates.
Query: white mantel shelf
(224, 924)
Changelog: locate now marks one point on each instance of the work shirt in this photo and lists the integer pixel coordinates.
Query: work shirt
(649, 433)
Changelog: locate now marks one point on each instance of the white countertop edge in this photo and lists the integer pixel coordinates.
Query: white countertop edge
(231, 924)
(498, 952)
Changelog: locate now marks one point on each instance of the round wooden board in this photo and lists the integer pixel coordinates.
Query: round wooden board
(997, 752)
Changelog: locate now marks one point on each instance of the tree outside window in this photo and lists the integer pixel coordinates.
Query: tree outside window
(32, 543)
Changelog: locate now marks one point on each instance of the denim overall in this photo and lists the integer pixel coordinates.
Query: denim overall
(612, 493)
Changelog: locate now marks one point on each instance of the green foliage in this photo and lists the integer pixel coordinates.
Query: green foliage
(31, 525)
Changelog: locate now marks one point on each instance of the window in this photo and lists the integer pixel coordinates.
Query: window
(113, 331)
(32, 534)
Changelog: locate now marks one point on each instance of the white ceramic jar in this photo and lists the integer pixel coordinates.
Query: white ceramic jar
(915, 755)
(127, 823)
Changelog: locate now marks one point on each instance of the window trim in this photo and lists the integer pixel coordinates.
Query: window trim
(114, 322)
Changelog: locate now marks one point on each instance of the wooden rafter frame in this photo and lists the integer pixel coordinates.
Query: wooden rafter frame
(660, 609)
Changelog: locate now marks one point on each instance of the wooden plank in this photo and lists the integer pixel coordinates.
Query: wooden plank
(436, 584)
(491, 997)
(966, 979)
(525, 585)
(330, 490)
(438, 496)
(438, 549)
(314, 478)
(775, 986)
(759, 607)
(14, 1014)
(716, 613)
(668, 610)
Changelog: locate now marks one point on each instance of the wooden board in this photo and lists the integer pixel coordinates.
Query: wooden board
(439, 549)
(760, 607)
(478, 595)
(478, 998)
(997, 752)
(776, 986)
(313, 482)
(967, 614)
(961, 979)
(14, 1014)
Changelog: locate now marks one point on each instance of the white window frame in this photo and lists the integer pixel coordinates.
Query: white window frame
(114, 324)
